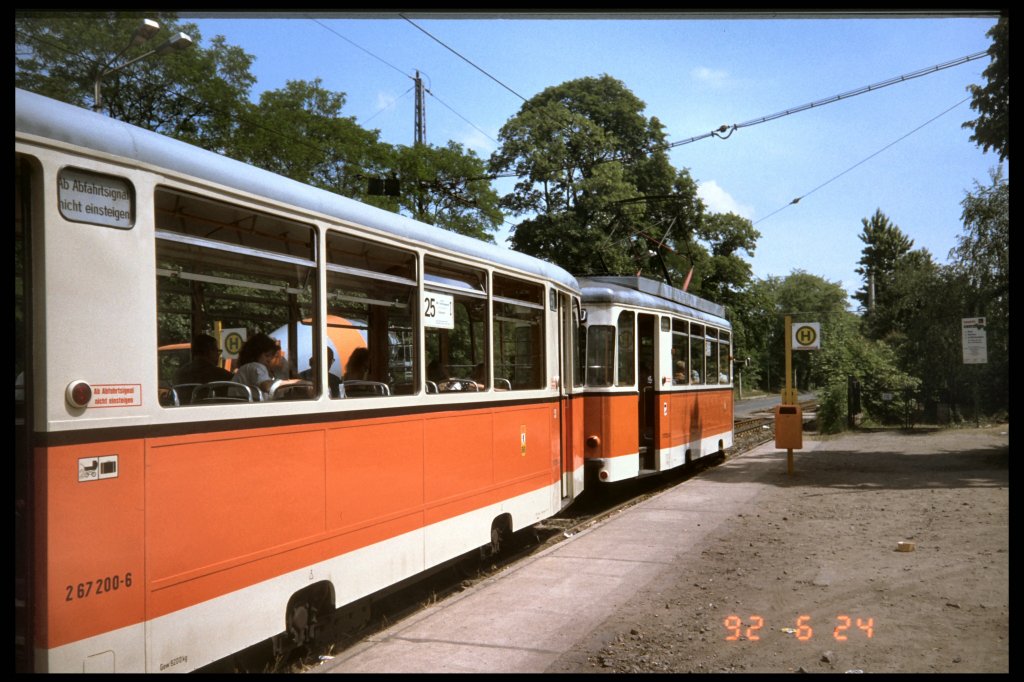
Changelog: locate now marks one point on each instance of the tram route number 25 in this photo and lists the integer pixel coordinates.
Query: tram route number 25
(751, 629)
(439, 311)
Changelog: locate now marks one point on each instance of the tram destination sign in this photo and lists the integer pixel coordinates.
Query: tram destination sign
(972, 330)
(96, 199)
(439, 310)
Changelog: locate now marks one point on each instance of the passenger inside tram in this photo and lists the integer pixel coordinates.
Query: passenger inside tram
(358, 366)
(437, 373)
(680, 374)
(256, 361)
(333, 382)
(204, 365)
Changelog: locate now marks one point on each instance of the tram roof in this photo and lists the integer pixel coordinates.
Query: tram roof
(38, 115)
(648, 293)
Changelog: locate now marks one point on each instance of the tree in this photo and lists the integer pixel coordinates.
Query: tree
(195, 95)
(982, 259)
(752, 313)
(448, 187)
(887, 392)
(992, 102)
(723, 274)
(806, 298)
(299, 131)
(884, 246)
(594, 172)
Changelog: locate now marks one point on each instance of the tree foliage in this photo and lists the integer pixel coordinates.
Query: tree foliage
(807, 298)
(447, 186)
(884, 247)
(194, 95)
(587, 161)
(992, 102)
(201, 95)
(601, 196)
(299, 131)
(982, 259)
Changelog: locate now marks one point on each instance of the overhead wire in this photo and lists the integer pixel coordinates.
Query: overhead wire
(429, 91)
(798, 199)
(722, 132)
(358, 46)
(453, 51)
(719, 132)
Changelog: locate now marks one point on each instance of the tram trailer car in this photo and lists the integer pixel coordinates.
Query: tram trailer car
(658, 377)
(163, 526)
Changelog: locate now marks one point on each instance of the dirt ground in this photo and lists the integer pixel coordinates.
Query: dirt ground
(815, 560)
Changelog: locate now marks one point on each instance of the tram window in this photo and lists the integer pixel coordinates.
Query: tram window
(518, 332)
(600, 355)
(371, 303)
(697, 350)
(227, 266)
(456, 347)
(711, 355)
(724, 358)
(626, 349)
(680, 352)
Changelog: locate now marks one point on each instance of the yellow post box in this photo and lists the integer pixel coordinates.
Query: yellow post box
(789, 427)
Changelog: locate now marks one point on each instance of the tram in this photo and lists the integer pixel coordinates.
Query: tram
(161, 527)
(658, 377)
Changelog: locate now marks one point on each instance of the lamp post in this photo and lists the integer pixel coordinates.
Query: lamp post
(146, 30)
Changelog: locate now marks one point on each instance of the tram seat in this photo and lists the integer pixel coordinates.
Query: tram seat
(224, 392)
(456, 385)
(179, 394)
(403, 388)
(283, 389)
(432, 387)
(361, 389)
(502, 384)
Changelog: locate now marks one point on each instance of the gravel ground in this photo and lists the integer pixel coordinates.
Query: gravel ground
(809, 578)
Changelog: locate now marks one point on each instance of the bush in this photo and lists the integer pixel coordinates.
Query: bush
(832, 408)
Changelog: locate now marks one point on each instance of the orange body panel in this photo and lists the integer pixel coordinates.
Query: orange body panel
(613, 419)
(197, 516)
(87, 532)
(693, 415)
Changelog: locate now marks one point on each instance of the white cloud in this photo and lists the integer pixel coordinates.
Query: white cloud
(717, 200)
(478, 142)
(385, 100)
(714, 77)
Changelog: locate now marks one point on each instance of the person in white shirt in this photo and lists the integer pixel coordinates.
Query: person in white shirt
(255, 361)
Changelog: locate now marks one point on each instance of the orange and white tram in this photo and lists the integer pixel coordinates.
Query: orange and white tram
(658, 377)
(163, 526)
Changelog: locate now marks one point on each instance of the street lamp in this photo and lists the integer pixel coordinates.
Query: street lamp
(146, 30)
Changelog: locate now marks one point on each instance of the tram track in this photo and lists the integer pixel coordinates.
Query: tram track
(351, 624)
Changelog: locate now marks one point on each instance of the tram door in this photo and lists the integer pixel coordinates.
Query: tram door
(647, 417)
(568, 323)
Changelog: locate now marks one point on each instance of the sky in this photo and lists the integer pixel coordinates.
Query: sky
(899, 148)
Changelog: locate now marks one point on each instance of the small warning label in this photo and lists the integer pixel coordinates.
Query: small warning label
(96, 468)
(116, 395)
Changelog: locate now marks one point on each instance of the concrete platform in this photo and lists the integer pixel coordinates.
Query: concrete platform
(522, 619)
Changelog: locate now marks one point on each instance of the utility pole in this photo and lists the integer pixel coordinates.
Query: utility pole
(421, 139)
(421, 114)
